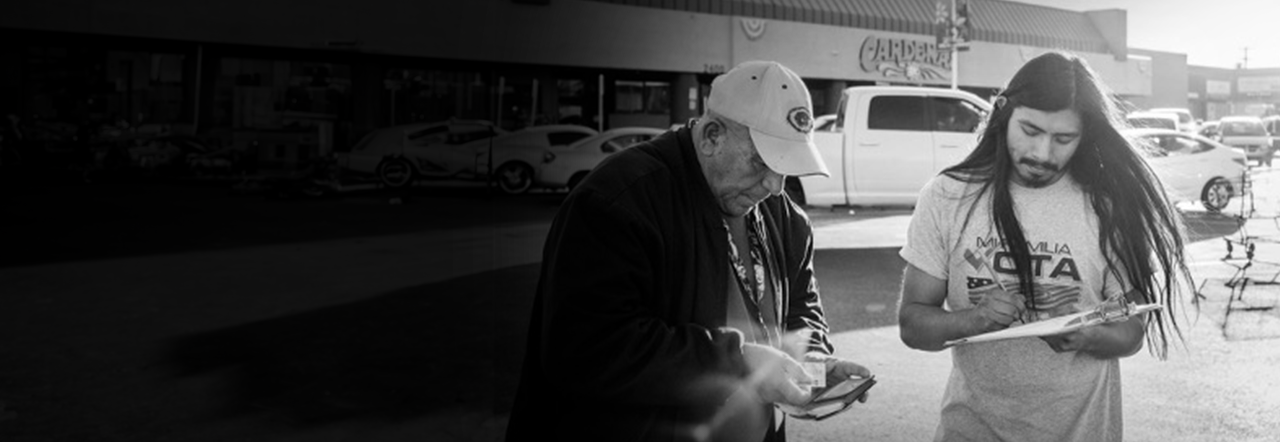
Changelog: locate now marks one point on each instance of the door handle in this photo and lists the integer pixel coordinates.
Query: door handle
(948, 146)
(869, 144)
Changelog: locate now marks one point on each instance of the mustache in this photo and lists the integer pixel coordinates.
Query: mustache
(1043, 165)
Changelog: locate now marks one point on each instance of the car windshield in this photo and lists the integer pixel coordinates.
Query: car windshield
(1242, 128)
(1182, 116)
(1156, 122)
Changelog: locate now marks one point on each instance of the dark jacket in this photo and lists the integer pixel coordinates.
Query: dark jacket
(627, 339)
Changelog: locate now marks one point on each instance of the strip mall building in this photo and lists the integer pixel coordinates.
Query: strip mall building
(312, 76)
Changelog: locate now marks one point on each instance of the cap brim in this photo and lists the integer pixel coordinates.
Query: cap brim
(789, 157)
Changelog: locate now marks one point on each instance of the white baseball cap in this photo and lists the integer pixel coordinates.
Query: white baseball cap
(774, 103)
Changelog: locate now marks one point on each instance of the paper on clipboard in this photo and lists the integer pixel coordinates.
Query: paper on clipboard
(1062, 324)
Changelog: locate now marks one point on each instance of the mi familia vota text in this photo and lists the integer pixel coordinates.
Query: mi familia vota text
(1045, 255)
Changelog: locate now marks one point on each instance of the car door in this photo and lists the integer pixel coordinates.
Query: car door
(528, 147)
(892, 147)
(955, 129)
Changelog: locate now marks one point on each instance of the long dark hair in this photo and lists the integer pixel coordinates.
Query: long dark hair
(1140, 233)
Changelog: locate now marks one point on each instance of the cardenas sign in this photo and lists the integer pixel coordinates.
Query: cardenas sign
(904, 59)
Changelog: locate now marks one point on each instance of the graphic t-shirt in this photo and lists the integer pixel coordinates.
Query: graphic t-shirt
(1019, 389)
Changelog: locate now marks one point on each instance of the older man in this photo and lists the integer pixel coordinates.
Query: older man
(677, 295)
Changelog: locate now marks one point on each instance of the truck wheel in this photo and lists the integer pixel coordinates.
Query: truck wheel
(794, 190)
(1216, 194)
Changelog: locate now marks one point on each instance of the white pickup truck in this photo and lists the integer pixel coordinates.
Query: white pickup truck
(887, 141)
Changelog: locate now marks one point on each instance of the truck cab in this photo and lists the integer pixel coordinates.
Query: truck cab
(888, 141)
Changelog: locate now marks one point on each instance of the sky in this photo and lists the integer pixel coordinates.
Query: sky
(1211, 32)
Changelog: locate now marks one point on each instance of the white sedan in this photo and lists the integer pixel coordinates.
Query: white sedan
(460, 149)
(573, 162)
(1192, 167)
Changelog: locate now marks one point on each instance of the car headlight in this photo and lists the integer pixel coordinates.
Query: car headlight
(548, 157)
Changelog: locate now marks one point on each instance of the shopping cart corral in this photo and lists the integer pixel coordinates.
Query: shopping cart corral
(1258, 228)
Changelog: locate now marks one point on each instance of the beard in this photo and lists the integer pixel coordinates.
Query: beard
(1039, 174)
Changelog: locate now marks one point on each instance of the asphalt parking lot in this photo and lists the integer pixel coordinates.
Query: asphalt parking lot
(186, 313)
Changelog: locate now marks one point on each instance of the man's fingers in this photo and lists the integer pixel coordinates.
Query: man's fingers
(792, 393)
(794, 371)
(847, 369)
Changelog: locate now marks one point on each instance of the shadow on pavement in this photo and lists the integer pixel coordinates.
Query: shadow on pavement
(52, 224)
(453, 344)
(404, 354)
(1209, 225)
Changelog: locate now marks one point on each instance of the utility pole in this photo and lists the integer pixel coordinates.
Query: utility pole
(1245, 64)
(955, 60)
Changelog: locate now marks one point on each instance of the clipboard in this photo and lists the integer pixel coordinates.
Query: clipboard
(1102, 314)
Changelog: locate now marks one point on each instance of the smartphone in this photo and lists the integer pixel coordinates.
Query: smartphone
(831, 401)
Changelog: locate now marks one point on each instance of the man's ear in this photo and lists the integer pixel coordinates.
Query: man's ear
(713, 133)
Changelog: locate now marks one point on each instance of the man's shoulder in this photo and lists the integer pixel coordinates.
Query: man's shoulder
(642, 169)
(945, 186)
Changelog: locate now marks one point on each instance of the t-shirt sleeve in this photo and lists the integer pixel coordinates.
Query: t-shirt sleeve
(926, 241)
(1115, 282)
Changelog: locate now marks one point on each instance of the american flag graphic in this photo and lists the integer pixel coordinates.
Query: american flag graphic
(1051, 300)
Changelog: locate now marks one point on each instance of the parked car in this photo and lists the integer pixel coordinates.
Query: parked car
(435, 145)
(1192, 167)
(1209, 129)
(1155, 120)
(572, 163)
(459, 149)
(1186, 122)
(1272, 125)
(1247, 134)
(519, 157)
(169, 154)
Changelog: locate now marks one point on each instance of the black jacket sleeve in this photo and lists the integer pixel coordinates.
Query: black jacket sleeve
(804, 305)
(603, 265)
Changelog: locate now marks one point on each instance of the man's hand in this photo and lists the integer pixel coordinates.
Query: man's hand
(774, 375)
(999, 308)
(1074, 341)
(1103, 341)
(839, 369)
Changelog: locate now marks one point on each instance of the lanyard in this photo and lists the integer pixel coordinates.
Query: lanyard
(753, 291)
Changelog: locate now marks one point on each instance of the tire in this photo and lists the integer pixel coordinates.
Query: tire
(514, 178)
(1216, 194)
(794, 190)
(395, 173)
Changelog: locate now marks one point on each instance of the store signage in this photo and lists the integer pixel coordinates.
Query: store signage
(1258, 85)
(1217, 88)
(912, 60)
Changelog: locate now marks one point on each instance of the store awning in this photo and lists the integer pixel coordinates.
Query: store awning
(994, 21)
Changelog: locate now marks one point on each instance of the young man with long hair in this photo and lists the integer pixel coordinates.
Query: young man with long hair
(1053, 213)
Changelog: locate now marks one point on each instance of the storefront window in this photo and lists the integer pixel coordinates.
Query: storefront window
(571, 100)
(282, 112)
(642, 97)
(69, 96)
(424, 95)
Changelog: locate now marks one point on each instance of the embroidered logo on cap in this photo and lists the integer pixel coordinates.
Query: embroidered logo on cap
(800, 119)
